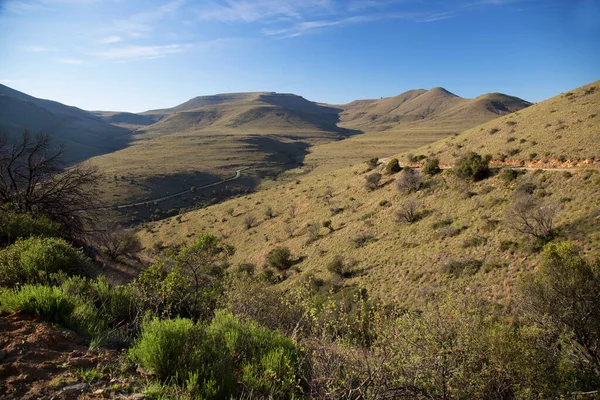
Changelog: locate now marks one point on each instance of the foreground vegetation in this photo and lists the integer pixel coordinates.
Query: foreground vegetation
(205, 329)
(378, 281)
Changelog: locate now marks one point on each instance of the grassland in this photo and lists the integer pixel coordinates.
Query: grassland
(463, 238)
(459, 223)
(406, 122)
(266, 133)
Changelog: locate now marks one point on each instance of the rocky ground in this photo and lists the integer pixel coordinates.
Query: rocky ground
(38, 361)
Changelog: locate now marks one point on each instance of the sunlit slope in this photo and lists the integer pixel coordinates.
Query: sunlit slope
(461, 241)
(563, 130)
(266, 132)
(406, 122)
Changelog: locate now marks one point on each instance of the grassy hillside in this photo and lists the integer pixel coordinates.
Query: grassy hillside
(464, 235)
(83, 134)
(408, 121)
(461, 239)
(267, 133)
(561, 131)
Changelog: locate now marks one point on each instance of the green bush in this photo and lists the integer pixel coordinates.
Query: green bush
(51, 304)
(509, 174)
(36, 259)
(432, 166)
(161, 346)
(280, 258)
(186, 284)
(228, 356)
(372, 162)
(19, 226)
(393, 166)
(566, 288)
(473, 166)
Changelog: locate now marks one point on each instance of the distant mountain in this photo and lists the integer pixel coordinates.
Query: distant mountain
(82, 133)
(427, 107)
(560, 130)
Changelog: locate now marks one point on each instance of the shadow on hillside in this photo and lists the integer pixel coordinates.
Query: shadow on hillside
(581, 228)
(286, 155)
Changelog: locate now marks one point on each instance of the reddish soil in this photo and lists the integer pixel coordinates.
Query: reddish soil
(40, 362)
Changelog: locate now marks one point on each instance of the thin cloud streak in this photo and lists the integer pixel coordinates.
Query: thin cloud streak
(71, 61)
(132, 53)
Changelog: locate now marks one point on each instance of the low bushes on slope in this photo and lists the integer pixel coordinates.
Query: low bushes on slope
(36, 259)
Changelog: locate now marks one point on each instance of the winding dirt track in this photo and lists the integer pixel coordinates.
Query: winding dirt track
(160, 199)
(238, 173)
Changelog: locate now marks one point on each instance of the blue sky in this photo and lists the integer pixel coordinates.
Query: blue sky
(134, 55)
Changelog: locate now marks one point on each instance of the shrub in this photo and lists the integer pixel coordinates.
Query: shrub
(372, 181)
(327, 224)
(161, 344)
(509, 174)
(567, 288)
(432, 166)
(338, 266)
(221, 360)
(473, 166)
(269, 213)
(15, 226)
(188, 283)
(532, 216)
(34, 260)
(462, 267)
(51, 304)
(362, 239)
(372, 162)
(410, 180)
(393, 166)
(280, 258)
(409, 211)
(116, 241)
(249, 221)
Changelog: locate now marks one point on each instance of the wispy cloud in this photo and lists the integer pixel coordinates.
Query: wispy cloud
(261, 10)
(72, 61)
(132, 53)
(39, 49)
(300, 28)
(28, 6)
(142, 24)
(290, 18)
(110, 39)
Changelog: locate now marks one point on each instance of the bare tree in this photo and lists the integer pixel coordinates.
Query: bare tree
(372, 181)
(116, 241)
(249, 221)
(532, 216)
(32, 180)
(409, 211)
(410, 180)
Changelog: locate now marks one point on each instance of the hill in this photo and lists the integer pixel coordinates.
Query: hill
(83, 134)
(463, 236)
(562, 130)
(408, 121)
(266, 132)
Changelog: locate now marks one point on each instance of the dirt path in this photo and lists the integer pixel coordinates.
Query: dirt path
(40, 362)
(161, 199)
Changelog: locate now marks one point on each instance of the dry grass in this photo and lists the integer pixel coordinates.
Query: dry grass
(563, 130)
(459, 225)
